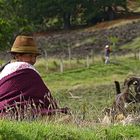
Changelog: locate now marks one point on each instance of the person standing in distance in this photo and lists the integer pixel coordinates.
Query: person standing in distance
(107, 54)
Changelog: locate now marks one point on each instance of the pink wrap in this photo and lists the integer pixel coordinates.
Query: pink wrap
(26, 86)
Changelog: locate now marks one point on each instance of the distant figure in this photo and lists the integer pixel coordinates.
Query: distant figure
(107, 54)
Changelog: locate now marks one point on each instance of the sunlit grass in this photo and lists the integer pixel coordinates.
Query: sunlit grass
(135, 44)
(93, 85)
(98, 73)
(49, 131)
(134, 6)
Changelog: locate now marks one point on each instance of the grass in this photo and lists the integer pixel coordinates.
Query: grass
(93, 86)
(41, 131)
(98, 73)
(134, 5)
(95, 90)
(134, 45)
(48, 131)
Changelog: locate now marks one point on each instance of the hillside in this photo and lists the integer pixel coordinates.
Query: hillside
(87, 40)
(94, 38)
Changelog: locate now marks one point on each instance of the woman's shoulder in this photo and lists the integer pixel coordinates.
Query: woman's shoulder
(15, 66)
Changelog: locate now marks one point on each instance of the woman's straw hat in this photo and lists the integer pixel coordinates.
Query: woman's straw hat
(24, 44)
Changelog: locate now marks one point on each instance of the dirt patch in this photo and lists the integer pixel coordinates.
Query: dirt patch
(93, 39)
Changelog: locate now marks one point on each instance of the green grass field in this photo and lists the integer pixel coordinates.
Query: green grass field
(93, 87)
(94, 90)
(49, 131)
(86, 91)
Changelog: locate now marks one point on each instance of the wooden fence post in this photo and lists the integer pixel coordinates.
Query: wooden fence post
(69, 52)
(87, 61)
(135, 54)
(46, 60)
(139, 54)
(61, 65)
(92, 56)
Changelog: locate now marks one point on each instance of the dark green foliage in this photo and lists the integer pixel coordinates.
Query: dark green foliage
(12, 22)
(22, 16)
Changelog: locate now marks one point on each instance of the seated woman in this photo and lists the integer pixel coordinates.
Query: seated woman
(21, 86)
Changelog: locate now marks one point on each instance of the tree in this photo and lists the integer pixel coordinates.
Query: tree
(22, 16)
(12, 21)
(62, 10)
(100, 10)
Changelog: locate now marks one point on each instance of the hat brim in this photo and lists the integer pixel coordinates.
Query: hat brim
(18, 52)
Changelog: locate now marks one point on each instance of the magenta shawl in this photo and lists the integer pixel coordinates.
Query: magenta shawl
(26, 86)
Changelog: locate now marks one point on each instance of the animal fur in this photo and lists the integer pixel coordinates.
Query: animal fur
(123, 99)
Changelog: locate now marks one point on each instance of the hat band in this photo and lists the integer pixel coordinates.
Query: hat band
(24, 49)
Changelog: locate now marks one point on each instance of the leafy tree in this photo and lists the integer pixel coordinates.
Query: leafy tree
(12, 21)
(62, 10)
(23, 16)
(99, 10)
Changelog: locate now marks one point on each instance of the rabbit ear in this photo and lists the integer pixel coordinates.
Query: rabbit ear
(117, 85)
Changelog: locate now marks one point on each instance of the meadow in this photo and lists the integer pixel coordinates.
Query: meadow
(86, 86)
(46, 131)
(86, 91)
